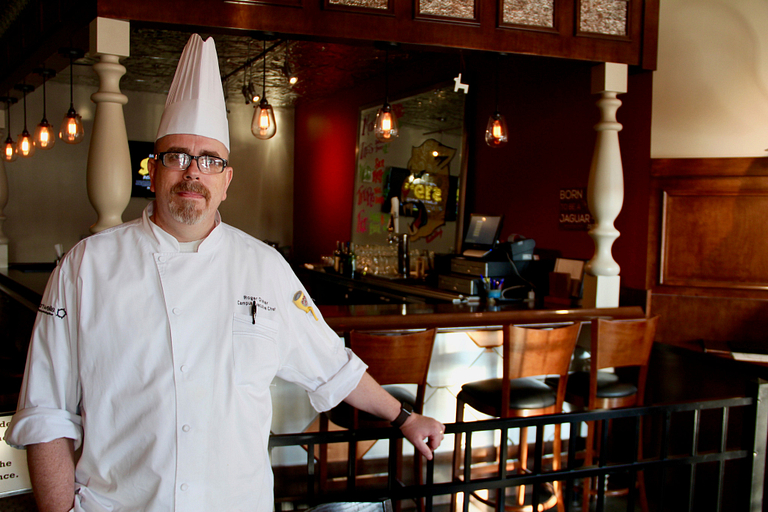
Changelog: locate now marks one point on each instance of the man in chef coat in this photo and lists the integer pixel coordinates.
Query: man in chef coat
(157, 340)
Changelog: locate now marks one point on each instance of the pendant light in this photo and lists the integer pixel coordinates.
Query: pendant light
(71, 130)
(45, 135)
(263, 125)
(9, 147)
(386, 121)
(25, 147)
(496, 133)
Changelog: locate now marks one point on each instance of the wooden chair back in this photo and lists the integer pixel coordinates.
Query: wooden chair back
(621, 344)
(396, 358)
(532, 352)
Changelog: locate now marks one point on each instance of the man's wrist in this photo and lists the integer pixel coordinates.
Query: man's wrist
(403, 415)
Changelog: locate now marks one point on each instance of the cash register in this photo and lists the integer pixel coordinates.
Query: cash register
(483, 257)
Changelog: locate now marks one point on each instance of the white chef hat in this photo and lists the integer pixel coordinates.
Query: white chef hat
(195, 103)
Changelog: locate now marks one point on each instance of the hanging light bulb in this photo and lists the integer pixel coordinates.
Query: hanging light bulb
(386, 121)
(264, 125)
(25, 147)
(45, 135)
(496, 133)
(9, 147)
(71, 130)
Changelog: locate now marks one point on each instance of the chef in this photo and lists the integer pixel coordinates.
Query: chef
(157, 340)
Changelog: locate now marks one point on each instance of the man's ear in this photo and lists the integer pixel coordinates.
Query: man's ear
(151, 167)
(229, 172)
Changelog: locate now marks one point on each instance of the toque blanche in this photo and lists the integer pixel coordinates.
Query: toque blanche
(195, 103)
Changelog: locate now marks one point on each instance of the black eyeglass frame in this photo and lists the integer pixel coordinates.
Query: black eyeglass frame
(161, 158)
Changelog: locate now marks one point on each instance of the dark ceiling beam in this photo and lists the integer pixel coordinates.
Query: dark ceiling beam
(33, 36)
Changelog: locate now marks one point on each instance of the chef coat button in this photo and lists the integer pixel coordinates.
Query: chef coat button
(186, 428)
(161, 259)
(184, 368)
(176, 311)
(184, 487)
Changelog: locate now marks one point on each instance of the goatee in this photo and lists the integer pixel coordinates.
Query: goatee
(185, 210)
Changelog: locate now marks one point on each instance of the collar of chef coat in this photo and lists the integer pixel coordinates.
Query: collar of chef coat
(168, 243)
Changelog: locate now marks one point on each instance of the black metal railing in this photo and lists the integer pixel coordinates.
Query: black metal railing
(707, 455)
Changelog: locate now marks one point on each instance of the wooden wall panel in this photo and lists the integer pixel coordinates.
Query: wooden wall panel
(708, 253)
(687, 320)
(710, 236)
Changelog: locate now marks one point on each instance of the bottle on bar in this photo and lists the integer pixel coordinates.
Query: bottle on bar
(337, 258)
(351, 260)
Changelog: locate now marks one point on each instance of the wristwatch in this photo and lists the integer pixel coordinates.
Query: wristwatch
(405, 412)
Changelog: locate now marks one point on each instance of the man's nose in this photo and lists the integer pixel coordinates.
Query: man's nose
(193, 171)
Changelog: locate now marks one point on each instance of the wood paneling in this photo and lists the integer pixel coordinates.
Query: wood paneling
(310, 19)
(708, 253)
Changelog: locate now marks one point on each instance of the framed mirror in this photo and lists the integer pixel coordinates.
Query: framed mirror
(423, 170)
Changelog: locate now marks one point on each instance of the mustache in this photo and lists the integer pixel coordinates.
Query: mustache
(192, 186)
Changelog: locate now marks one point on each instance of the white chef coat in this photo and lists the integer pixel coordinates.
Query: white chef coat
(159, 362)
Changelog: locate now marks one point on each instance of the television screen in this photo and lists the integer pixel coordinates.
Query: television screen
(140, 152)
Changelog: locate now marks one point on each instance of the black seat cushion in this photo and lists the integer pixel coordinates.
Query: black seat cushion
(342, 415)
(527, 393)
(608, 385)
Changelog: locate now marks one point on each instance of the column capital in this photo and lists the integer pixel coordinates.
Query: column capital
(110, 37)
(609, 77)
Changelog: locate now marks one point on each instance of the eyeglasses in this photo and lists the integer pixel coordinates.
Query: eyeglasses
(181, 162)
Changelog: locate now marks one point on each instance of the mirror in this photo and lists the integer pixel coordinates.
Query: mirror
(424, 169)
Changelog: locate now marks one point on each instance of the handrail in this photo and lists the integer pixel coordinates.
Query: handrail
(660, 459)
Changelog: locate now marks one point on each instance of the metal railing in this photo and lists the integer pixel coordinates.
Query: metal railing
(707, 455)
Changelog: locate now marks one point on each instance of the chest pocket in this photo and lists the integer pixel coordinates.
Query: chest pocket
(254, 346)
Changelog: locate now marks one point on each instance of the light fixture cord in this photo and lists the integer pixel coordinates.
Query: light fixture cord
(71, 82)
(25, 106)
(264, 75)
(498, 63)
(386, 76)
(44, 79)
(249, 64)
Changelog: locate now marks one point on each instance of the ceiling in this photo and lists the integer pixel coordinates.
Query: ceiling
(322, 68)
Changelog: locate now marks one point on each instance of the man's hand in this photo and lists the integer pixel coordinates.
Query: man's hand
(424, 433)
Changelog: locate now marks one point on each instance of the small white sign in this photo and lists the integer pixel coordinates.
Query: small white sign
(14, 474)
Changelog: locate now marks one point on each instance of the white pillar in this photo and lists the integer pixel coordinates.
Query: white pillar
(3, 202)
(605, 193)
(108, 174)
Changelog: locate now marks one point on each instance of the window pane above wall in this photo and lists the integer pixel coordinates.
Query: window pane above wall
(536, 13)
(606, 17)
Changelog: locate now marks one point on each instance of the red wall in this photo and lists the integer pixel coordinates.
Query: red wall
(550, 112)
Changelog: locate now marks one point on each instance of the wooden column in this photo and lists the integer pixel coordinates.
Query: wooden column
(605, 193)
(108, 174)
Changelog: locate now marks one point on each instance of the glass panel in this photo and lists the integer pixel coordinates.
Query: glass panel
(538, 13)
(607, 17)
(464, 9)
(368, 4)
(421, 167)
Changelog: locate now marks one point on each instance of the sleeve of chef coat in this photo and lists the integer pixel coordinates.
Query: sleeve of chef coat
(314, 356)
(48, 406)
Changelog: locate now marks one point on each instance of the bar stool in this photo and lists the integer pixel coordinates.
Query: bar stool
(527, 353)
(392, 358)
(614, 344)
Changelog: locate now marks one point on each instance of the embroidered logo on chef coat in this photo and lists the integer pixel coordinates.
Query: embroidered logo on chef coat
(300, 300)
(52, 311)
(255, 302)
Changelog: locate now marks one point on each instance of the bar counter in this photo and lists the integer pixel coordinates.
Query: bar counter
(458, 316)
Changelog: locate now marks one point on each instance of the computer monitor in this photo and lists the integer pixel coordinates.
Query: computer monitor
(482, 234)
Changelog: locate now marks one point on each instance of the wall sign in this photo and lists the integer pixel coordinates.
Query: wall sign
(574, 211)
(14, 475)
